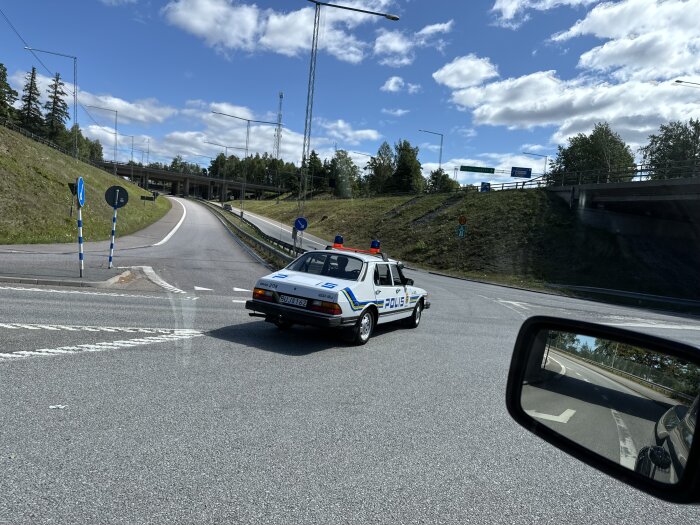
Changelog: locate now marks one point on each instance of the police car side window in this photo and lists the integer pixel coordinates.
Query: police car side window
(382, 277)
(396, 275)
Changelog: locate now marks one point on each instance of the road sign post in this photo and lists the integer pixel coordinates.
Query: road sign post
(80, 194)
(116, 196)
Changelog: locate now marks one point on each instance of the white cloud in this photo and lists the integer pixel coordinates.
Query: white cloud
(343, 131)
(144, 111)
(413, 88)
(512, 13)
(397, 48)
(228, 26)
(465, 71)
(393, 85)
(397, 84)
(396, 112)
(646, 39)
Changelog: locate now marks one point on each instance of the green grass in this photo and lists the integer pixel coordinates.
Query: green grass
(524, 238)
(35, 199)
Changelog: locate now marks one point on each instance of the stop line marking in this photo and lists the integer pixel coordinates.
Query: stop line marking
(175, 335)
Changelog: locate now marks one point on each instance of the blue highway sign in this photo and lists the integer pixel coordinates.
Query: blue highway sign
(523, 173)
(300, 224)
(81, 192)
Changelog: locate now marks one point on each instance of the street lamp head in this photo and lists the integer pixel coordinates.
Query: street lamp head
(393, 18)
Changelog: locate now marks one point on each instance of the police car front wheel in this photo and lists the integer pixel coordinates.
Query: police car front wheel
(414, 320)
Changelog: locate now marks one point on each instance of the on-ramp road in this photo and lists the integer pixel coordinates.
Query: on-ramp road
(177, 407)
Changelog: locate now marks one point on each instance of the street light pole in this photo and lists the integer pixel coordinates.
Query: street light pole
(115, 133)
(690, 84)
(306, 146)
(247, 141)
(441, 137)
(75, 93)
(546, 160)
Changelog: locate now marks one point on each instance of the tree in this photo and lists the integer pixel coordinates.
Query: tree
(8, 96)
(602, 150)
(317, 176)
(56, 108)
(30, 113)
(440, 182)
(674, 151)
(408, 177)
(345, 173)
(382, 167)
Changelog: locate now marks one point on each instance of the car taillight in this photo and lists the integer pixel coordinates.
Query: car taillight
(326, 308)
(263, 295)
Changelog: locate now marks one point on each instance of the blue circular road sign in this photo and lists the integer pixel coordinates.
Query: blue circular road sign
(80, 192)
(300, 224)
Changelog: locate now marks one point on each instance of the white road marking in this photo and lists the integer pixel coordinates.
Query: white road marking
(628, 451)
(156, 279)
(177, 226)
(238, 301)
(563, 368)
(200, 289)
(517, 304)
(563, 418)
(175, 335)
(79, 292)
(241, 290)
(76, 328)
(653, 324)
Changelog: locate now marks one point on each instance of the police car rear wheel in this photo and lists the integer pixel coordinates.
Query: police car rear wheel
(363, 330)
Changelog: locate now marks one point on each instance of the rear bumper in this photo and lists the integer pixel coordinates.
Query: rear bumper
(274, 311)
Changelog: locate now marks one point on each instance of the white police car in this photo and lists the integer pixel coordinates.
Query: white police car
(339, 287)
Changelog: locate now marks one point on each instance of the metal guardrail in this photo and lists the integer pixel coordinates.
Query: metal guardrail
(629, 376)
(269, 249)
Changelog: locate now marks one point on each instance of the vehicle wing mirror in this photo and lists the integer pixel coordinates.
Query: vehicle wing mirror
(623, 402)
(408, 282)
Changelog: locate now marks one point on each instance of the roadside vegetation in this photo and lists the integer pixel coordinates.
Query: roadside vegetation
(526, 238)
(35, 199)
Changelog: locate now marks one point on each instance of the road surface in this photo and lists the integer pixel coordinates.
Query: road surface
(174, 406)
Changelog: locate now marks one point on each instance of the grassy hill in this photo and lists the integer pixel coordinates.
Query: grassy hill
(519, 237)
(35, 199)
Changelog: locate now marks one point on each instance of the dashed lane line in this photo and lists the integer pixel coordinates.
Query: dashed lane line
(101, 347)
(80, 292)
(112, 329)
(628, 451)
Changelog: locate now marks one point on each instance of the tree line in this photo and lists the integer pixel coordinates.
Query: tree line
(47, 121)
(674, 151)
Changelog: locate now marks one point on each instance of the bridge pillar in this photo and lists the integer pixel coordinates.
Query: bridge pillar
(209, 191)
(174, 188)
(187, 187)
(224, 192)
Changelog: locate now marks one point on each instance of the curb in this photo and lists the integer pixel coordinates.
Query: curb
(64, 282)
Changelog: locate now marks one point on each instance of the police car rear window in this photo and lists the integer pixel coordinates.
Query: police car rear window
(335, 265)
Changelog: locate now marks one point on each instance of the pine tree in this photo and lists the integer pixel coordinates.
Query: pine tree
(56, 108)
(8, 96)
(30, 116)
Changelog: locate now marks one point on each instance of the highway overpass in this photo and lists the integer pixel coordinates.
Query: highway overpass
(185, 184)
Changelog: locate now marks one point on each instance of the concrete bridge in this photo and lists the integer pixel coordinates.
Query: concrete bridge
(187, 184)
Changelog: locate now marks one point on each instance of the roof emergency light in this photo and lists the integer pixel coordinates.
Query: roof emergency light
(374, 247)
(338, 242)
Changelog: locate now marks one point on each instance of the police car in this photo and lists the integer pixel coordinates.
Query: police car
(340, 287)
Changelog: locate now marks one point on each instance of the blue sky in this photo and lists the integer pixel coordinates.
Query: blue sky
(495, 77)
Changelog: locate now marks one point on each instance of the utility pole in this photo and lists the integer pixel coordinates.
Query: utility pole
(276, 146)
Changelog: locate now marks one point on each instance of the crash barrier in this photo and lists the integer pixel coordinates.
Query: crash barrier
(630, 371)
(262, 245)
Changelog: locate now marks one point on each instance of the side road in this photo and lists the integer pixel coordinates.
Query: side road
(57, 264)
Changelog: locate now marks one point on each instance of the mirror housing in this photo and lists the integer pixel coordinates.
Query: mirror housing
(530, 342)
(408, 282)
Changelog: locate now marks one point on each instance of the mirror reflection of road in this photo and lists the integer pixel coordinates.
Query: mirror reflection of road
(592, 407)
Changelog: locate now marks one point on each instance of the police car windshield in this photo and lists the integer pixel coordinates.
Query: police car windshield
(339, 266)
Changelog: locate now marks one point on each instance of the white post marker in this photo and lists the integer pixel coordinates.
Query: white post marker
(116, 196)
(80, 193)
(114, 229)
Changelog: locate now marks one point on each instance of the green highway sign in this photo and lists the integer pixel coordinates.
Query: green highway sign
(477, 169)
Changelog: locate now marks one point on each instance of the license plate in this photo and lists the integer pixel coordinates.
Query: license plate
(294, 301)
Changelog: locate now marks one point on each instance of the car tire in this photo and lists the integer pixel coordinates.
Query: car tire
(364, 328)
(414, 320)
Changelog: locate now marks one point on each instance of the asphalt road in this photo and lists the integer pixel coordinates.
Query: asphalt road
(125, 406)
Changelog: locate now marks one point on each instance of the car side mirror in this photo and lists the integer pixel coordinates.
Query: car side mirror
(408, 282)
(622, 402)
